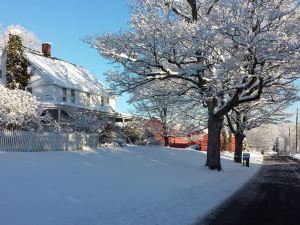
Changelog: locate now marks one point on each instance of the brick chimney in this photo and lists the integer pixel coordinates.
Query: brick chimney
(46, 49)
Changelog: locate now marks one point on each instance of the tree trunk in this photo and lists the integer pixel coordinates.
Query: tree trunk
(166, 139)
(193, 5)
(239, 139)
(213, 145)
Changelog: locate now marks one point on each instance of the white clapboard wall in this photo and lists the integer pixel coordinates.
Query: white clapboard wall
(24, 141)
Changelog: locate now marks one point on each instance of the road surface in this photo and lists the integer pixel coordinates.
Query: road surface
(271, 198)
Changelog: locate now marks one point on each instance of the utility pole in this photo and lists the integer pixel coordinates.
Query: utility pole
(297, 131)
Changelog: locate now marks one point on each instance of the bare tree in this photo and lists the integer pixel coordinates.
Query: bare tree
(270, 109)
(165, 112)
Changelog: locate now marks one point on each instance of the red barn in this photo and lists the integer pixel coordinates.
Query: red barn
(231, 144)
(182, 140)
(200, 139)
(179, 140)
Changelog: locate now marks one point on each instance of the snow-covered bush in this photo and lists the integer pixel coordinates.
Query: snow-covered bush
(18, 109)
(135, 132)
(112, 133)
(75, 120)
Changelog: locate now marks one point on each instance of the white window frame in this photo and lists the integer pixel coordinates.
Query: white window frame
(73, 98)
(64, 94)
(88, 97)
(102, 101)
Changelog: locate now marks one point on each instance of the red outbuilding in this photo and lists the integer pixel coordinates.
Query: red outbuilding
(179, 139)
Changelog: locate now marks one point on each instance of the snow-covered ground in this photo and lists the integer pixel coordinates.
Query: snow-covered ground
(297, 156)
(255, 156)
(114, 186)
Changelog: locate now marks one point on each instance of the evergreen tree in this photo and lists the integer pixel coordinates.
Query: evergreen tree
(16, 65)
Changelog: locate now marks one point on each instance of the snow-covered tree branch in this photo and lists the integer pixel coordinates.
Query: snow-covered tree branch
(76, 120)
(29, 39)
(227, 54)
(165, 112)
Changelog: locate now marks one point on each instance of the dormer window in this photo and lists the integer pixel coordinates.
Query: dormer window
(73, 96)
(64, 95)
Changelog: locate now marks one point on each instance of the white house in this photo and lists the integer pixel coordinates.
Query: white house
(58, 84)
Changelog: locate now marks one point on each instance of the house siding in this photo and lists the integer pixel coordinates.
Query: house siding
(52, 94)
(43, 93)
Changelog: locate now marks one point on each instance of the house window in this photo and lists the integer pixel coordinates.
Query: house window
(0, 73)
(102, 101)
(29, 89)
(64, 95)
(88, 96)
(73, 96)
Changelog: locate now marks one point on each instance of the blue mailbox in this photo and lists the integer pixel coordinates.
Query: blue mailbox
(246, 158)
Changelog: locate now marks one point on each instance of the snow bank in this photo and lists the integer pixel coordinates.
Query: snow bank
(297, 156)
(114, 186)
(255, 156)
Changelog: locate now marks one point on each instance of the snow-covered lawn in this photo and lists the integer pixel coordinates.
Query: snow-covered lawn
(113, 186)
(297, 156)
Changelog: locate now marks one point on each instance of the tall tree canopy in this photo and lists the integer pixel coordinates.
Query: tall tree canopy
(219, 53)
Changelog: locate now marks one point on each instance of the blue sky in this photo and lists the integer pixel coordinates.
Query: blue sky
(64, 22)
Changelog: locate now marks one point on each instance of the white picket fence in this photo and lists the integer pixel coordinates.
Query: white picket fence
(23, 141)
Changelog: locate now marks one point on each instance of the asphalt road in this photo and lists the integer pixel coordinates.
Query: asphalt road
(270, 198)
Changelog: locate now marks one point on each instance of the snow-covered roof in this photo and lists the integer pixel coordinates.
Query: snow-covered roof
(2, 52)
(65, 74)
